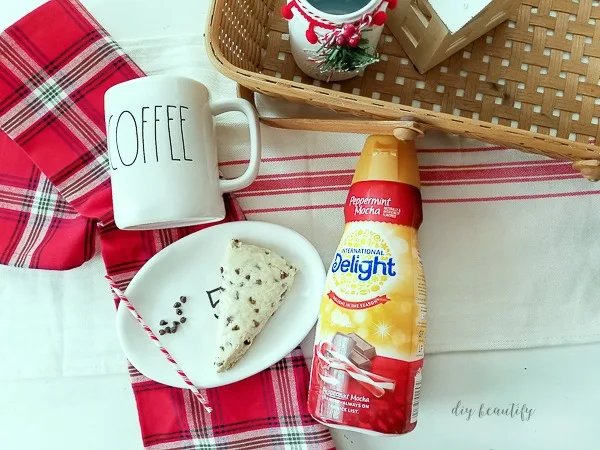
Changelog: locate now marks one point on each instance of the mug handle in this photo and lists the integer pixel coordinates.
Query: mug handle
(245, 107)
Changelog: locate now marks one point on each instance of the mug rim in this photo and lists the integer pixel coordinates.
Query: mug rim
(341, 17)
(157, 77)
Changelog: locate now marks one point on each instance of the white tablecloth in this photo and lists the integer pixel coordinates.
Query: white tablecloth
(65, 385)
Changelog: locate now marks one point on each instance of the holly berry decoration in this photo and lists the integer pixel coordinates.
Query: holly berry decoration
(354, 40)
(349, 29)
(345, 50)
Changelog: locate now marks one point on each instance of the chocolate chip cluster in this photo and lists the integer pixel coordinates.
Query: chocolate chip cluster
(173, 328)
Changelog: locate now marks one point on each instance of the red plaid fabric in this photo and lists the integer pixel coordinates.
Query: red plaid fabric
(55, 66)
(35, 221)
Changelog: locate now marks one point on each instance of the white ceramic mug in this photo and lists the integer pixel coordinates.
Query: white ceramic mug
(163, 154)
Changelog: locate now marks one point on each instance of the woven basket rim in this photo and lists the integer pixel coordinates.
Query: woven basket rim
(383, 110)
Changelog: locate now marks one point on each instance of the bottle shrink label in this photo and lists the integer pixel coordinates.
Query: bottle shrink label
(369, 345)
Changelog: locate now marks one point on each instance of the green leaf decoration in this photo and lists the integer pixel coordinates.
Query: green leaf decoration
(343, 58)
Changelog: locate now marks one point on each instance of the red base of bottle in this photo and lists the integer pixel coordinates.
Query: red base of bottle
(350, 404)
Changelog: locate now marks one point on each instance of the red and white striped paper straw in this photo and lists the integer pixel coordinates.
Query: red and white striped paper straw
(163, 350)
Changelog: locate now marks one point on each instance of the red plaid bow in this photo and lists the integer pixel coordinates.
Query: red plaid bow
(55, 66)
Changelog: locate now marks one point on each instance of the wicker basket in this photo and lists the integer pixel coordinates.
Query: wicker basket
(532, 83)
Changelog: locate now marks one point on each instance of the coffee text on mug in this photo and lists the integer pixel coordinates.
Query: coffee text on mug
(147, 124)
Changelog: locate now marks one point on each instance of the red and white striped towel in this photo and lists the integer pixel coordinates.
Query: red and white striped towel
(508, 240)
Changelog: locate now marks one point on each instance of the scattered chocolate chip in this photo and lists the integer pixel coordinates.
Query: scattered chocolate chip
(252, 301)
(219, 364)
(237, 271)
(237, 295)
(259, 282)
(176, 305)
(241, 284)
(247, 342)
(178, 312)
(182, 319)
(267, 252)
(163, 322)
(229, 320)
(174, 330)
(221, 270)
(247, 277)
(231, 282)
(255, 323)
(236, 243)
(222, 348)
(168, 330)
(272, 305)
(256, 310)
(257, 266)
(235, 328)
(175, 323)
(183, 299)
(161, 332)
(283, 275)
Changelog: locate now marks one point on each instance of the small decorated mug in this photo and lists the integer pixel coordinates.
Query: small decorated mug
(334, 40)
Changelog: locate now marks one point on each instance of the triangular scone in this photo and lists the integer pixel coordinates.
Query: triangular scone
(254, 282)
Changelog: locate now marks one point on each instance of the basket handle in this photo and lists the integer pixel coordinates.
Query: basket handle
(585, 162)
(403, 129)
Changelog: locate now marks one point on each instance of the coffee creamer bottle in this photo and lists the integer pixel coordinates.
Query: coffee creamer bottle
(369, 346)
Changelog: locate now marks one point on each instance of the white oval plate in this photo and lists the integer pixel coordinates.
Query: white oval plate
(190, 267)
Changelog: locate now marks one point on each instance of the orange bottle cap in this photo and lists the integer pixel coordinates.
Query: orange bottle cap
(386, 158)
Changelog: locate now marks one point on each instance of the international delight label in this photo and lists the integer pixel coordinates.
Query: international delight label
(369, 347)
